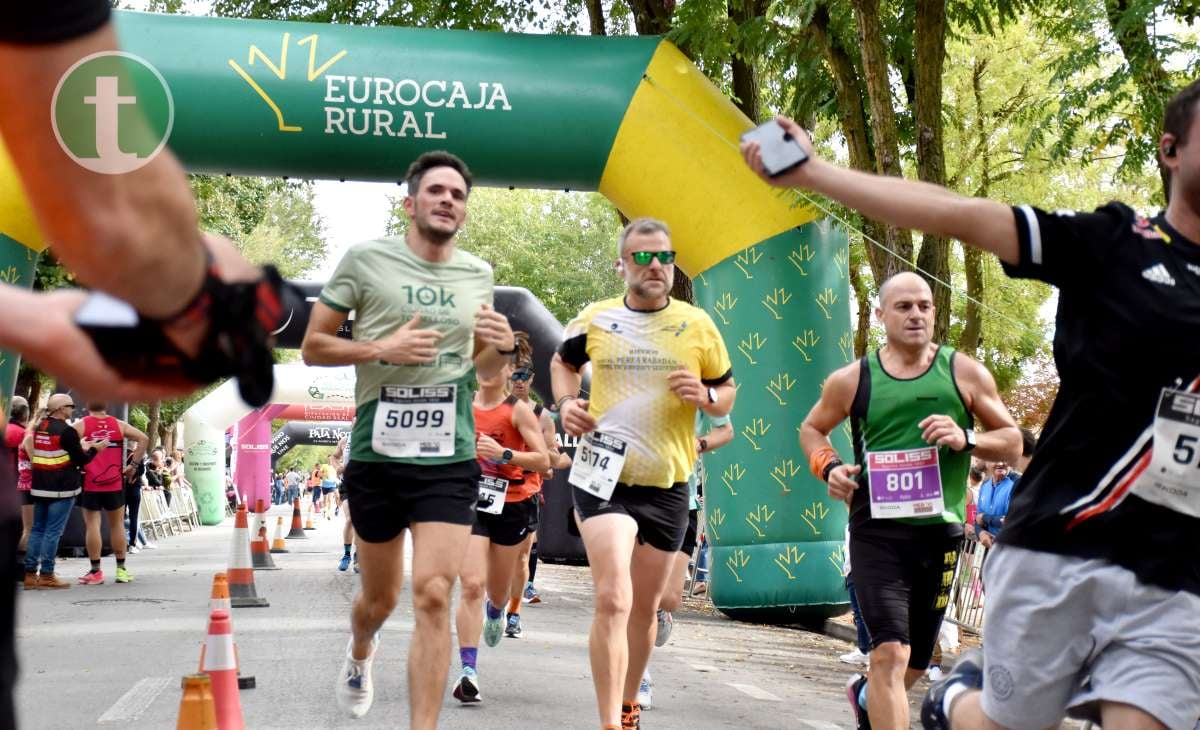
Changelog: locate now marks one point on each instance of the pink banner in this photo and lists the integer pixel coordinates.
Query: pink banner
(252, 477)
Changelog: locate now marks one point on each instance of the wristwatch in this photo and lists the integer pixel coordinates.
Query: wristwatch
(506, 456)
(712, 395)
(969, 433)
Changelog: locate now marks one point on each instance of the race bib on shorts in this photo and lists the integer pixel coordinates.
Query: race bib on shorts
(414, 421)
(598, 462)
(904, 483)
(1172, 479)
(492, 491)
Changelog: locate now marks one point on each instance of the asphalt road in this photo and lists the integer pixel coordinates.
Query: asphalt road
(114, 654)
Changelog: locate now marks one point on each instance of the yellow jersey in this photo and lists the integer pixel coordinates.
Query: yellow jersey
(632, 353)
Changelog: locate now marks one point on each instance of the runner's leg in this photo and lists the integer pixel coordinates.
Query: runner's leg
(382, 579)
(673, 595)
(91, 524)
(468, 618)
(609, 540)
(649, 570)
(502, 566)
(438, 549)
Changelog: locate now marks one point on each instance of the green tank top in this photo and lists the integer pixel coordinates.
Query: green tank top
(884, 417)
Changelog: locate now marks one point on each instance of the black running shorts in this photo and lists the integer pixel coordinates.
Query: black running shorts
(903, 586)
(108, 501)
(388, 497)
(661, 514)
(515, 523)
(689, 537)
(26, 497)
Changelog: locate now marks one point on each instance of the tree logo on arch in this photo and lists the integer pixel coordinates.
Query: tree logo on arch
(112, 112)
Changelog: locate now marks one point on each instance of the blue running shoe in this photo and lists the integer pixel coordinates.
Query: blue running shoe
(344, 565)
(513, 629)
(493, 628)
(531, 594)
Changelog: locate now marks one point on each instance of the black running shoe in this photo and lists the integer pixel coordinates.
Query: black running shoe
(854, 686)
(968, 672)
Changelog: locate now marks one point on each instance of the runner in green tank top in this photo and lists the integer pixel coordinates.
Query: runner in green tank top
(912, 407)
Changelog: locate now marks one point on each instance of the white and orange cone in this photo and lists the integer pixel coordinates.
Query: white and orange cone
(260, 553)
(242, 593)
(220, 664)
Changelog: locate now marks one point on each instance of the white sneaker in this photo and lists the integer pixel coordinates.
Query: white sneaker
(644, 690)
(935, 673)
(355, 690)
(150, 546)
(134, 549)
(855, 657)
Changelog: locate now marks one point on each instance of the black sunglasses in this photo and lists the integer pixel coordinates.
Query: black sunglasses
(522, 375)
(643, 258)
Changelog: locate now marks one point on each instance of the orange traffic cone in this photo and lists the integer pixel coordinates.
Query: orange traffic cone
(260, 554)
(308, 523)
(297, 532)
(241, 571)
(220, 664)
(197, 710)
(278, 545)
(220, 593)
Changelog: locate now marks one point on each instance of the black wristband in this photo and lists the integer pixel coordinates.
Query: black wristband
(829, 469)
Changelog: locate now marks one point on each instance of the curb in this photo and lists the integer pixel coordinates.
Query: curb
(836, 630)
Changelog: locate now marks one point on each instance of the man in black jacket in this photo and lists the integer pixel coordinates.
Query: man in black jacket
(59, 454)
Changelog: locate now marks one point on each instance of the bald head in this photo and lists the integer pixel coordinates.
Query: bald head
(60, 405)
(907, 282)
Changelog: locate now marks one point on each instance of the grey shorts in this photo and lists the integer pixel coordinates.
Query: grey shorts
(1063, 634)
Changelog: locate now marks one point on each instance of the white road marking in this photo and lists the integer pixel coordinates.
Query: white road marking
(756, 692)
(821, 725)
(704, 668)
(134, 702)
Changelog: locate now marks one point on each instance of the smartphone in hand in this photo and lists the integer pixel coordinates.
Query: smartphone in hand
(780, 151)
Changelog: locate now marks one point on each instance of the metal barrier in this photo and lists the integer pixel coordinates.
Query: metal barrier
(966, 594)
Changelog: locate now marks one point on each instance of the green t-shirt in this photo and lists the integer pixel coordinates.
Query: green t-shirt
(386, 284)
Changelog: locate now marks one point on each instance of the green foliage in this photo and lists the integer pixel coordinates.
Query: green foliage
(560, 246)
(302, 458)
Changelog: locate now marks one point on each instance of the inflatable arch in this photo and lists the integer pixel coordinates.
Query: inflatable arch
(306, 433)
(630, 117)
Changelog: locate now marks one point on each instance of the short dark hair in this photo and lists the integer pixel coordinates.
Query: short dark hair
(430, 160)
(1028, 442)
(1177, 120)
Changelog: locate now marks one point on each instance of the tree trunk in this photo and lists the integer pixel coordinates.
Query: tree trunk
(929, 38)
(652, 17)
(682, 288)
(862, 293)
(595, 9)
(972, 334)
(743, 70)
(853, 120)
(883, 116)
(153, 424)
(1153, 81)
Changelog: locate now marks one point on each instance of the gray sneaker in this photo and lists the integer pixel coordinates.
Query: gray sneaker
(666, 622)
(355, 690)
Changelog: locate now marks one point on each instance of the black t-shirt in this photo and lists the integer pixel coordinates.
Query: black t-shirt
(52, 21)
(1128, 326)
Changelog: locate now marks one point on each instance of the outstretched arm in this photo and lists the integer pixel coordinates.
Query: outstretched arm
(895, 201)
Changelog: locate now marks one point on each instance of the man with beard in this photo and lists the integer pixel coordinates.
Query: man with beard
(424, 325)
(655, 362)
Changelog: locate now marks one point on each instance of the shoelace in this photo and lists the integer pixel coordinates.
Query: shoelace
(631, 717)
(355, 676)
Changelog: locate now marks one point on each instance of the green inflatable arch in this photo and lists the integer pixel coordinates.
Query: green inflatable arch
(629, 117)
